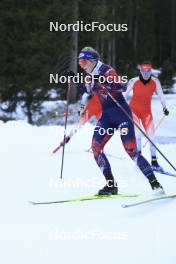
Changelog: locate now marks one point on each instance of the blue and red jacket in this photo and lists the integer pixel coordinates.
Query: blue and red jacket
(110, 82)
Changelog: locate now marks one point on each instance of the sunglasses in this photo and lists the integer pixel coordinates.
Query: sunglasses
(82, 62)
(145, 73)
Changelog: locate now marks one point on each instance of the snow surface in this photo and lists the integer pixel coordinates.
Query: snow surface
(87, 232)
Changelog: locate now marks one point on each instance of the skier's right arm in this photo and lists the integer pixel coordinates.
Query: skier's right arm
(84, 100)
(159, 91)
(86, 95)
(129, 88)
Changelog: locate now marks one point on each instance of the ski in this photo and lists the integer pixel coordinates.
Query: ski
(165, 172)
(150, 199)
(86, 198)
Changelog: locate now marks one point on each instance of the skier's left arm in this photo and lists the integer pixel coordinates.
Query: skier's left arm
(112, 82)
(159, 92)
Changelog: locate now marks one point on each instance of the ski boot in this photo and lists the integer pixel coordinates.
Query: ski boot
(155, 165)
(156, 186)
(109, 189)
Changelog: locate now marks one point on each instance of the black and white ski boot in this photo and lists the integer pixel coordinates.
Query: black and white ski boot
(155, 165)
(156, 186)
(109, 189)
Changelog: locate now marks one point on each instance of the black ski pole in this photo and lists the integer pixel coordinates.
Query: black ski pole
(65, 127)
(145, 135)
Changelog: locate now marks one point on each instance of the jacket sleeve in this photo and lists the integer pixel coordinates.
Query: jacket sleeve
(111, 82)
(84, 99)
(86, 87)
(129, 88)
(159, 92)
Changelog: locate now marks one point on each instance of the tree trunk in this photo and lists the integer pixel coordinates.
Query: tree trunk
(135, 38)
(173, 31)
(29, 112)
(113, 41)
(74, 50)
(102, 47)
(113, 51)
(109, 55)
(130, 19)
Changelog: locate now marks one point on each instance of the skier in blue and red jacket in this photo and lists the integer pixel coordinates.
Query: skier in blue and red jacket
(112, 118)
